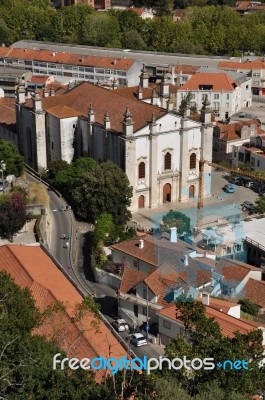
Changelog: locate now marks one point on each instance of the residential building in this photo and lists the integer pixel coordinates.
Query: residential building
(171, 325)
(227, 134)
(226, 94)
(8, 120)
(180, 74)
(106, 71)
(144, 13)
(31, 268)
(10, 79)
(160, 268)
(255, 69)
(97, 4)
(158, 149)
(249, 7)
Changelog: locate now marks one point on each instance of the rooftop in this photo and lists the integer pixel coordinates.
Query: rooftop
(217, 81)
(247, 65)
(66, 58)
(30, 267)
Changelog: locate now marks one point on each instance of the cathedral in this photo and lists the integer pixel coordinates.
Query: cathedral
(159, 150)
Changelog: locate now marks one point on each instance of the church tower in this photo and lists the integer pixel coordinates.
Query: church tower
(153, 163)
(130, 153)
(40, 131)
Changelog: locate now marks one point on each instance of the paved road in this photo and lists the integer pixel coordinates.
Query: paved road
(61, 223)
(149, 58)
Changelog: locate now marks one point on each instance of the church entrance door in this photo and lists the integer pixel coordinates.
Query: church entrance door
(191, 191)
(167, 193)
(141, 201)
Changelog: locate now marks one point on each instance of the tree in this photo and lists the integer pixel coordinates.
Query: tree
(25, 360)
(249, 307)
(104, 228)
(260, 205)
(101, 30)
(105, 189)
(13, 215)
(13, 160)
(206, 341)
(133, 40)
(178, 220)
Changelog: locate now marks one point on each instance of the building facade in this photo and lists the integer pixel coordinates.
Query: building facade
(97, 4)
(108, 71)
(158, 149)
(226, 94)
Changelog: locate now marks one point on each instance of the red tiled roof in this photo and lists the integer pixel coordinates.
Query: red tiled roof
(234, 270)
(86, 93)
(62, 111)
(228, 324)
(31, 267)
(233, 131)
(218, 81)
(255, 292)
(39, 79)
(66, 58)
(219, 304)
(131, 278)
(257, 64)
(8, 111)
(185, 69)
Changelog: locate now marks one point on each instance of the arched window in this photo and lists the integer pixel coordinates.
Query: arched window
(141, 170)
(167, 161)
(193, 161)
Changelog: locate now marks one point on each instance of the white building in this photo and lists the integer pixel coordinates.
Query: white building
(226, 94)
(158, 150)
(107, 71)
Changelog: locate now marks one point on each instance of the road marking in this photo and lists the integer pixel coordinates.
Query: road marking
(54, 210)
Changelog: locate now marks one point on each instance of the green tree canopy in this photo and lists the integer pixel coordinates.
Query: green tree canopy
(176, 219)
(203, 339)
(13, 160)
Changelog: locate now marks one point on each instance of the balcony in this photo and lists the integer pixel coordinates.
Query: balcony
(138, 300)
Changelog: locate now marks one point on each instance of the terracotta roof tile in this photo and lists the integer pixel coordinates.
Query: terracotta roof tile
(228, 324)
(185, 69)
(234, 271)
(255, 292)
(66, 58)
(219, 81)
(31, 267)
(8, 113)
(249, 65)
(131, 278)
(86, 93)
(220, 304)
(61, 111)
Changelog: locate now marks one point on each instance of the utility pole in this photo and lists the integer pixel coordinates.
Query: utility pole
(147, 313)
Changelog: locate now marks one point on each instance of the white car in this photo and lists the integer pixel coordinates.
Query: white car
(138, 340)
(120, 325)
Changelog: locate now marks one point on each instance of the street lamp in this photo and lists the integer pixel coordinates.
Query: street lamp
(3, 168)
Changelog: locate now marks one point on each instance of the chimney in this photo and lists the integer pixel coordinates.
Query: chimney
(186, 260)
(205, 299)
(45, 92)
(52, 92)
(139, 93)
(141, 244)
(54, 53)
(173, 235)
(3, 45)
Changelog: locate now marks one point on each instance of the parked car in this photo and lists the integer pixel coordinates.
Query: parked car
(138, 340)
(230, 188)
(120, 325)
(250, 184)
(248, 205)
(236, 179)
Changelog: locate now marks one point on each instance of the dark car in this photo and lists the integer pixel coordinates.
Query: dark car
(248, 206)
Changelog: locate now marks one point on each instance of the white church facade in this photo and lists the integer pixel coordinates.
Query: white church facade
(158, 149)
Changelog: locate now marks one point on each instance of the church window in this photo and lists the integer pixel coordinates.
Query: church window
(167, 161)
(193, 161)
(141, 170)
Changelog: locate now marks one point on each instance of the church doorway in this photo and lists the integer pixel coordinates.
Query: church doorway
(167, 193)
(141, 201)
(191, 191)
